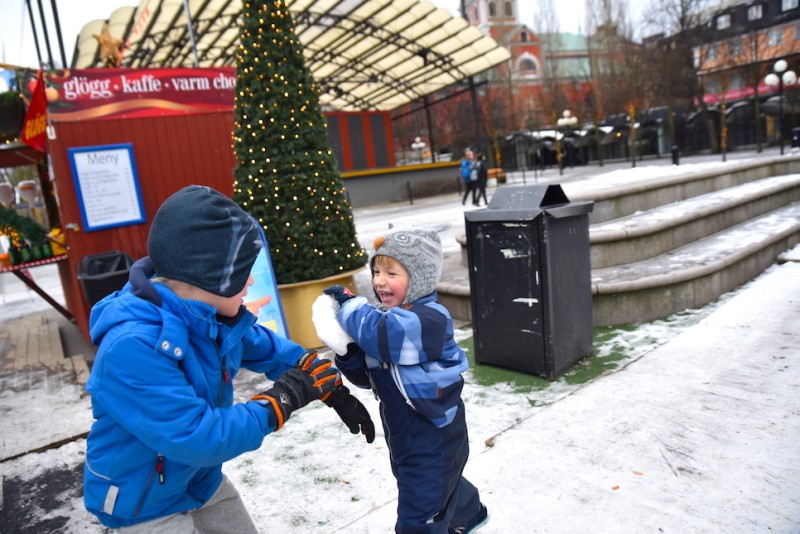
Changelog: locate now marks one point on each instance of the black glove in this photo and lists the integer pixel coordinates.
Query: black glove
(352, 412)
(353, 350)
(310, 379)
(340, 293)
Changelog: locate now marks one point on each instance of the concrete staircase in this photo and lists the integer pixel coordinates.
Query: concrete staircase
(664, 245)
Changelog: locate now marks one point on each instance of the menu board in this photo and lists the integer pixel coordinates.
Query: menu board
(107, 186)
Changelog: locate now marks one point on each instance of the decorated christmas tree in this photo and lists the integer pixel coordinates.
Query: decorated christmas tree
(286, 175)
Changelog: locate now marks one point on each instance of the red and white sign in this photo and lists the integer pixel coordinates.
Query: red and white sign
(116, 93)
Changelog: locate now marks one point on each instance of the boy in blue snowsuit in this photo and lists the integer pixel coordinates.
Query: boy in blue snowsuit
(467, 169)
(169, 345)
(404, 350)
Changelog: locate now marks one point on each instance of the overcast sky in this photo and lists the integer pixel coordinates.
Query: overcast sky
(18, 48)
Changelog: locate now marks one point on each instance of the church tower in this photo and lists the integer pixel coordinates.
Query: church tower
(516, 84)
(488, 13)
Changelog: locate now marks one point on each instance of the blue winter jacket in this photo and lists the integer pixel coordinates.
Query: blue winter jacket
(162, 396)
(415, 344)
(466, 170)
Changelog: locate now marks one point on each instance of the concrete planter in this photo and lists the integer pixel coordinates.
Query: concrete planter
(297, 300)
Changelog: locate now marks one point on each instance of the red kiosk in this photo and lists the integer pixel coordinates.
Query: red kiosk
(120, 141)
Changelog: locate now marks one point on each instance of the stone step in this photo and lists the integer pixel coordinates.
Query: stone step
(656, 231)
(619, 197)
(695, 274)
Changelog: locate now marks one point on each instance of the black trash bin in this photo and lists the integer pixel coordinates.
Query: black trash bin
(530, 280)
(102, 274)
(795, 137)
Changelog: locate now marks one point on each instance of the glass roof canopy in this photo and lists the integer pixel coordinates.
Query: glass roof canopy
(364, 54)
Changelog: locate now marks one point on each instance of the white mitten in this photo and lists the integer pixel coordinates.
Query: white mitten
(325, 315)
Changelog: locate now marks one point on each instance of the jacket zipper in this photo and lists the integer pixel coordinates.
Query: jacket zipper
(158, 468)
(388, 436)
(226, 379)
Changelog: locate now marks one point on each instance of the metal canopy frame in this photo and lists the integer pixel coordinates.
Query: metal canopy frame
(363, 54)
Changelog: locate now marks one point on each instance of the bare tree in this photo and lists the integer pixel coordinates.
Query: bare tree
(757, 58)
(613, 61)
(547, 30)
(681, 22)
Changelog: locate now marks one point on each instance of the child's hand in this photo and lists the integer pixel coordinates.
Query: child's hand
(310, 379)
(340, 293)
(325, 316)
(352, 412)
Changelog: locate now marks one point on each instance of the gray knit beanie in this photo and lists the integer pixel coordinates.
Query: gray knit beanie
(419, 249)
(201, 237)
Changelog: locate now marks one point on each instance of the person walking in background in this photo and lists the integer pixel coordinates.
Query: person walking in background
(404, 350)
(169, 345)
(469, 175)
(483, 178)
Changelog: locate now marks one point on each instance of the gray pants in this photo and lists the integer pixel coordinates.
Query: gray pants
(223, 513)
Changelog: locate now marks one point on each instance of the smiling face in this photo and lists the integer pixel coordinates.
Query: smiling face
(389, 280)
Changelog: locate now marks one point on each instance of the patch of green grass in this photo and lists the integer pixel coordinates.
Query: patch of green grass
(299, 520)
(610, 352)
(487, 375)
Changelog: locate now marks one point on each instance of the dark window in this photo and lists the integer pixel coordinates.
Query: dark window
(527, 66)
(509, 10)
(736, 47)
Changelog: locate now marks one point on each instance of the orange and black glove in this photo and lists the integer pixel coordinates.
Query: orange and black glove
(310, 379)
(351, 412)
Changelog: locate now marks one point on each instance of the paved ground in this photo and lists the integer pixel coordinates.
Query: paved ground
(699, 435)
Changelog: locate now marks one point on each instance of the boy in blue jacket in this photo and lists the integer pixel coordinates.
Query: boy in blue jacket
(169, 345)
(404, 350)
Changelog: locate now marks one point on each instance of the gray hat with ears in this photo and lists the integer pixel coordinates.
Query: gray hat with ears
(419, 250)
(201, 237)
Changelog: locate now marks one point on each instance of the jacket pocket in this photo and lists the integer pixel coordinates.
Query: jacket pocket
(158, 465)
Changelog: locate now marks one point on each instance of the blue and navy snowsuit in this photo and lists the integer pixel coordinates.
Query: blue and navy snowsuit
(413, 364)
(162, 396)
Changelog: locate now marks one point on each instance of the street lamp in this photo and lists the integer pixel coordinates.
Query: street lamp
(779, 78)
(418, 146)
(567, 120)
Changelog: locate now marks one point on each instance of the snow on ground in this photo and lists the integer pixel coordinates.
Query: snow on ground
(313, 476)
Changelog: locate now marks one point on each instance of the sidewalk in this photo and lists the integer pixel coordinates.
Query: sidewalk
(700, 435)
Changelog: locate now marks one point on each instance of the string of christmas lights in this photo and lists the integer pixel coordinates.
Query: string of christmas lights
(286, 175)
